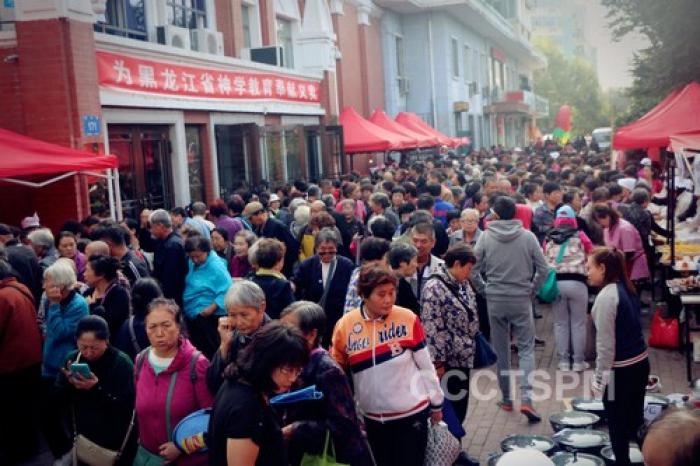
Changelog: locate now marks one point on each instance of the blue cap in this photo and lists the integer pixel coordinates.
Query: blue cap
(566, 211)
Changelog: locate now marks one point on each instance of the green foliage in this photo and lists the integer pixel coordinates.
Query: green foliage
(571, 82)
(672, 58)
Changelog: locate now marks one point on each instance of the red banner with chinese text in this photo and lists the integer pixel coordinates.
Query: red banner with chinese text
(135, 74)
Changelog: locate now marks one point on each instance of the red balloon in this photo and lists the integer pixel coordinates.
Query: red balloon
(563, 119)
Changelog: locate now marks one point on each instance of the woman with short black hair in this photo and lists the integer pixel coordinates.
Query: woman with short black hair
(268, 257)
(382, 342)
(243, 428)
(106, 392)
(107, 297)
(450, 316)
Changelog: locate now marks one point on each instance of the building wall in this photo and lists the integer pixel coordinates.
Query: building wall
(351, 92)
(375, 79)
(11, 116)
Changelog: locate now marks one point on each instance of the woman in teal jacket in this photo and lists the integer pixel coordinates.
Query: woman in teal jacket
(206, 284)
(66, 307)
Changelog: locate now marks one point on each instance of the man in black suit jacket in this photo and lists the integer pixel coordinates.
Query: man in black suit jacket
(403, 259)
(325, 267)
(170, 265)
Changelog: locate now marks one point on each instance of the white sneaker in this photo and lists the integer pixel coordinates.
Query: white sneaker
(65, 460)
(580, 366)
(564, 367)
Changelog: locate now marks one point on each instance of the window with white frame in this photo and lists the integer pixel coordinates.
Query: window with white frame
(189, 14)
(284, 39)
(455, 58)
(250, 19)
(125, 18)
(400, 66)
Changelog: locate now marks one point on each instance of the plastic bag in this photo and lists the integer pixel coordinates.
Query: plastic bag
(664, 332)
(442, 448)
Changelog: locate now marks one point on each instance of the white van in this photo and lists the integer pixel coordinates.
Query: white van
(602, 136)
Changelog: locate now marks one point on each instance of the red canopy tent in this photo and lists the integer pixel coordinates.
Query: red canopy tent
(677, 113)
(361, 135)
(23, 157)
(689, 140)
(380, 118)
(415, 123)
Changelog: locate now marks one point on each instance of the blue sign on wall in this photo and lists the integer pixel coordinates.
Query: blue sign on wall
(91, 125)
(9, 3)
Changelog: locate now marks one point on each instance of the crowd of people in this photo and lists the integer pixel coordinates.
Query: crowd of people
(373, 289)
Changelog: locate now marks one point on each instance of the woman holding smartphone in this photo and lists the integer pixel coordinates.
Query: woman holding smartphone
(97, 383)
(622, 365)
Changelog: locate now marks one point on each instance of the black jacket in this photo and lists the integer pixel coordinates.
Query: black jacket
(26, 265)
(133, 267)
(406, 298)
(215, 373)
(278, 293)
(273, 228)
(170, 266)
(309, 287)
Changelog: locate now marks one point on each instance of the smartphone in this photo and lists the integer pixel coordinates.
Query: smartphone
(80, 368)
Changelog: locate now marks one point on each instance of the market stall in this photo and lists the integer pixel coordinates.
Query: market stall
(26, 162)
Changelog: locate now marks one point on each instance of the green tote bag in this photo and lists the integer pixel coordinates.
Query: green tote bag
(550, 291)
(325, 459)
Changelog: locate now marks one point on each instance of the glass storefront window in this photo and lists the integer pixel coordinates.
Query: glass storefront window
(274, 166)
(292, 153)
(195, 168)
(232, 156)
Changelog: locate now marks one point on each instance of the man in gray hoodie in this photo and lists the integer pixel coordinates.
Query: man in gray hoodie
(513, 268)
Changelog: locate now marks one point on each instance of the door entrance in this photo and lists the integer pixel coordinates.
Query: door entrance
(144, 167)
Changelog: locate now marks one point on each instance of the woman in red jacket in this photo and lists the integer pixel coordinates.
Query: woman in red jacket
(170, 384)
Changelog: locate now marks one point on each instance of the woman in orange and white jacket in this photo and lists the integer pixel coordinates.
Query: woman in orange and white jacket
(396, 386)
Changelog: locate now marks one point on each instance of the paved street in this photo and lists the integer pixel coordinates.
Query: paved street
(487, 425)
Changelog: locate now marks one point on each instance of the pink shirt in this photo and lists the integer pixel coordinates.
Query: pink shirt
(625, 237)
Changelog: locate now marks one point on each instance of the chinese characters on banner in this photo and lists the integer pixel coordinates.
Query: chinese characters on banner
(135, 74)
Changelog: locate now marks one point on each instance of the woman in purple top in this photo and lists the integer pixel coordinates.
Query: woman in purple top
(67, 245)
(240, 266)
(621, 234)
(219, 213)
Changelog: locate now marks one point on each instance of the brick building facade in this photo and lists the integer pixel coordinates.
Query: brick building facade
(176, 146)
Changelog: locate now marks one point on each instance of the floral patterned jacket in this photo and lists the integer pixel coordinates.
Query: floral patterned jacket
(450, 323)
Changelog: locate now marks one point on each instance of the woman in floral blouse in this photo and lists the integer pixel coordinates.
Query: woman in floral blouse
(449, 315)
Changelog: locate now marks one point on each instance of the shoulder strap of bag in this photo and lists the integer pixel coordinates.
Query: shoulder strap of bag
(168, 402)
(132, 334)
(140, 359)
(128, 434)
(193, 366)
(562, 250)
(455, 293)
(327, 287)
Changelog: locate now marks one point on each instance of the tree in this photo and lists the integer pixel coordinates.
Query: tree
(572, 82)
(671, 60)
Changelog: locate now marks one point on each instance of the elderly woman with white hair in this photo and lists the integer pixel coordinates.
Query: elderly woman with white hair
(66, 308)
(245, 304)
(469, 232)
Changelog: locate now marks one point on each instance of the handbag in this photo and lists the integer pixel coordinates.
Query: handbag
(664, 332)
(325, 459)
(442, 448)
(549, 291)
(88, 452)
(484, 355)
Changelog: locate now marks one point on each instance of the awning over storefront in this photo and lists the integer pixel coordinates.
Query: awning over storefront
(380, 118)
(677, 113)
(361, 135)
(23, 156)
(415, 123)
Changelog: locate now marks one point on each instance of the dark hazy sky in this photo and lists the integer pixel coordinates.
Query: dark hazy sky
(614, 58)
